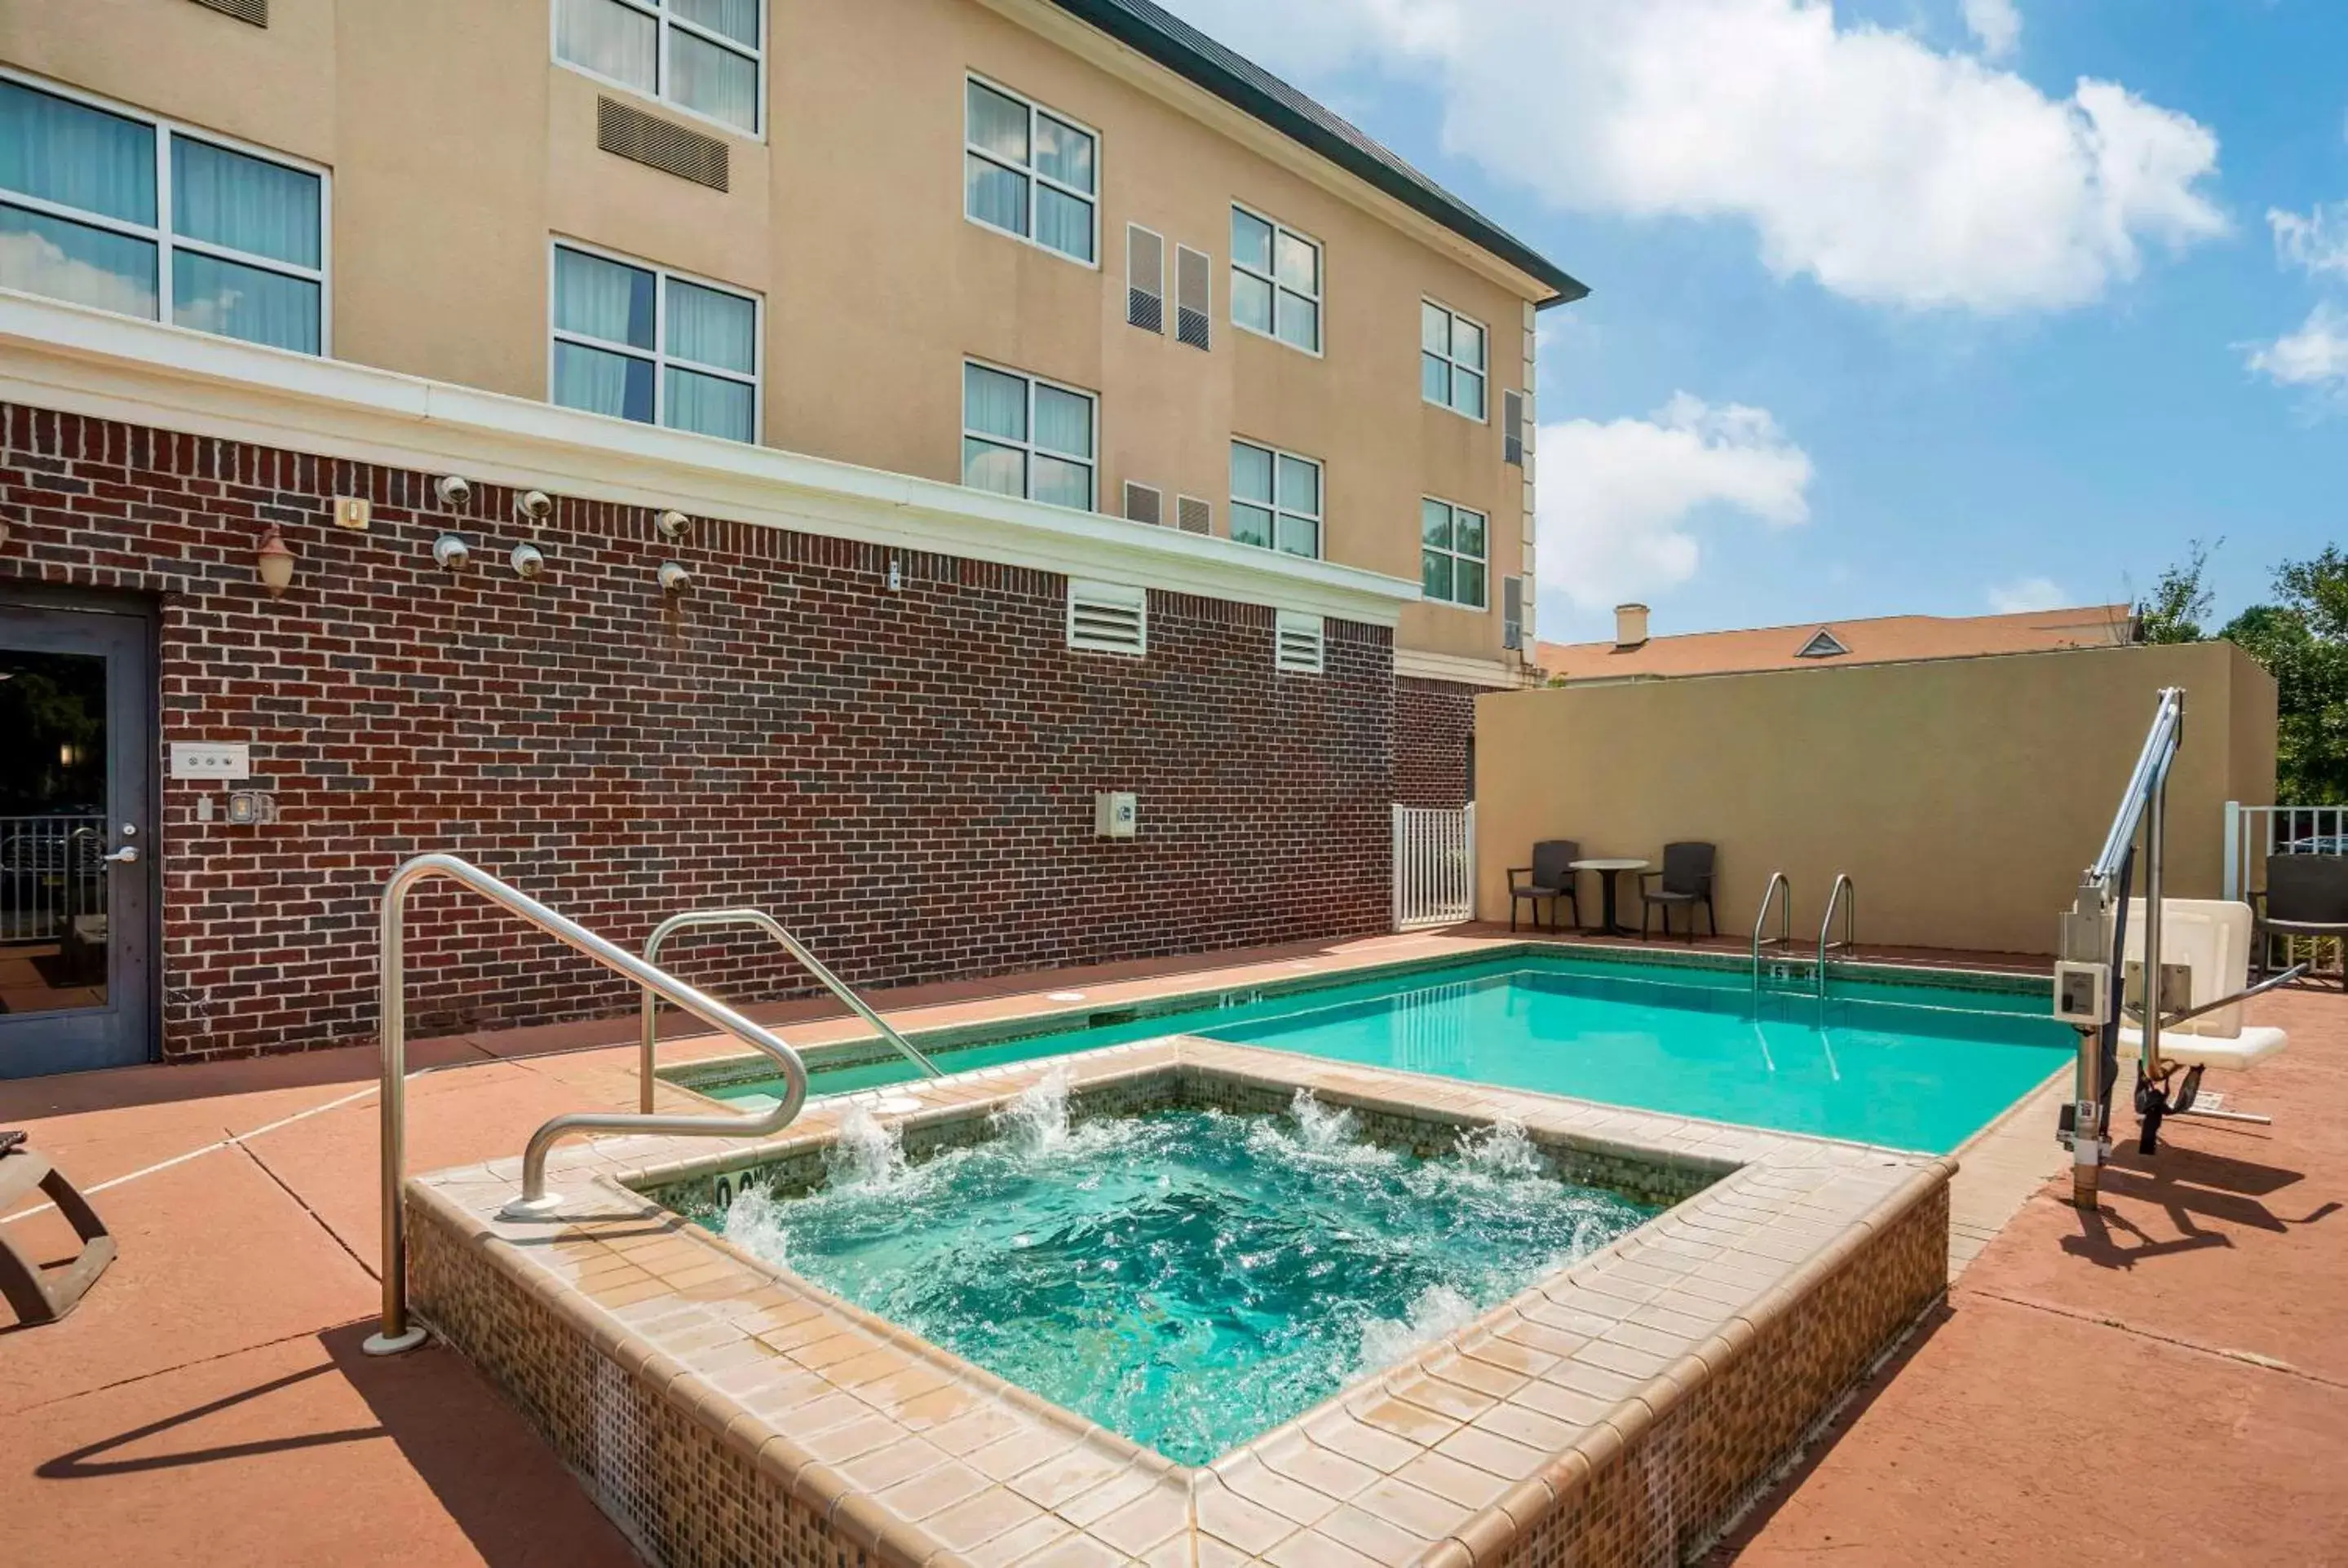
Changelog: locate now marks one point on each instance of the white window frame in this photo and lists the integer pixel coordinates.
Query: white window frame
(1091, 464)
(658, 353)
(1034, 176)
(664, 19)
(1320, 519)
(1483, 372)
(1320, 295)
(1456, 556)
(161, 235)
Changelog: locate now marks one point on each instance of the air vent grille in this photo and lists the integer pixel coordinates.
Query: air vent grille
(1299, 642)
(253, 10)
(661, 144)
(1194, 516)
(1194, 304)
(1512, 612)
(1512, 428)
(1108, 618)
(1144, 503)
(1145, 279)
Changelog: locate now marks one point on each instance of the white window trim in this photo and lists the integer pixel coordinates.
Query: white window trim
(1457, 364)
(1034, 176)
(662, 20)
(161, 236)
(1320, 288)
(1028, 445)
(1456, 556)
(658, 353)
(1319, 519)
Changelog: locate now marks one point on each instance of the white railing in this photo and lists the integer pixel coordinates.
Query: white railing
(52, 870)
(2255, 832)
(1434, 866)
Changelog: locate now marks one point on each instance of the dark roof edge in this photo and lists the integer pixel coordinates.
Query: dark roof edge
(1415, 192)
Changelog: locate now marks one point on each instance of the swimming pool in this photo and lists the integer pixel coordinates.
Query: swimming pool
(1914, 1066)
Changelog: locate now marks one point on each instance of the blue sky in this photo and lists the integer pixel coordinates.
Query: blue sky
(1897, 305)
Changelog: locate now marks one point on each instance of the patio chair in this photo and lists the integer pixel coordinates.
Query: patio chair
(2305, 896)
(39, 1295)
(1552, 877)
(1685, 881)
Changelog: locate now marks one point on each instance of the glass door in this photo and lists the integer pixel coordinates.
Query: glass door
(77, 862)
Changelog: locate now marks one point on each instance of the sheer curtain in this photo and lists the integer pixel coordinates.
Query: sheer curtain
(237, 301)
(608, 300)
(712, 328)
(712, 405)
(602, 382)
(716, 81)
(737, 19)
(227, 199)
(76, 156)
(610, 39)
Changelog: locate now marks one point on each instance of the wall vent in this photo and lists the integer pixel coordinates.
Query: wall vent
(661, 144)
(1195, 515)
(253, 10)
(1512, 612)
(1512, 428)
(1194, 304)
(1298, 641)
(1145, 279)
(1144, 503)
(1108, 618)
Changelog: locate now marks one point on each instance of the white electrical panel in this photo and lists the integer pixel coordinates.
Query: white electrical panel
(212, 760)
(2082, 992)
(1115, 814)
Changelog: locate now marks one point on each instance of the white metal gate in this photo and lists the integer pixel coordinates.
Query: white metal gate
(1434, 866)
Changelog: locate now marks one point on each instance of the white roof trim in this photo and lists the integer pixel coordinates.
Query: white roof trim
(92, 363)
(1411, 663)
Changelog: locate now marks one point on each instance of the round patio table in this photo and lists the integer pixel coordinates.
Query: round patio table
(1608, 869)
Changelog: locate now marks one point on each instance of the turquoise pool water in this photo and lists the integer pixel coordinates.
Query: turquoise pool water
(1189, 1278)
(1912, 1066)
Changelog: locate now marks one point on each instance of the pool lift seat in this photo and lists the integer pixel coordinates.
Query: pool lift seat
(37, 1294)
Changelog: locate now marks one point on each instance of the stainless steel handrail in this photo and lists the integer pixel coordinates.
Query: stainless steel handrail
(791, 944)
(1784, 936)
(396, 1333)
(1849, 908)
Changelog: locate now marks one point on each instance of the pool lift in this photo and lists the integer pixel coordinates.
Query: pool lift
(2211, 936)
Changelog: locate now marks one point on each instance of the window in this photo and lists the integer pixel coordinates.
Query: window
(1823, 644)
(1451, 553)
(138, 216)
(706, 56)
(1450, 360)
(650, 346)
(1028, 171)
(1276, 280)
(1275, 500)
(1023, 436)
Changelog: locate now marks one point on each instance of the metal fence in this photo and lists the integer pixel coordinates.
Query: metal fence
(1434, 866)
(2253, 833)
(52, 869)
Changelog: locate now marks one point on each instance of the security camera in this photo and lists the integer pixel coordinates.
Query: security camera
(673, 578)
(528, 561)
(451, 552)
(534, 506)
(672, 525)
(452, 490)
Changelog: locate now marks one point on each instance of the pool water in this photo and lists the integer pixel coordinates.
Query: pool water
(1189, 1278)
(1915, 1067)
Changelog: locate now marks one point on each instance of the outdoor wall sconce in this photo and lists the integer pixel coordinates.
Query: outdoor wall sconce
(274, 562)
(528, 561)
(452, 489)
(671, 524)
(534, 506)
(673, 578)
(450, 552)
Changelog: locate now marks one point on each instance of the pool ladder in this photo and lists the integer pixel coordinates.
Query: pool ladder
(1842, 900)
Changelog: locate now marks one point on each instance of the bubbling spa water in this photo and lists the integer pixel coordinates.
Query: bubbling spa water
(1190, 1278)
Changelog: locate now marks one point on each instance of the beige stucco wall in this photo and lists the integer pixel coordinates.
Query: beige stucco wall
(457, 150)
(1963, 795)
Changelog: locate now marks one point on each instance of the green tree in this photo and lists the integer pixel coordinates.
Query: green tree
(2179, 599)
(2303, 641)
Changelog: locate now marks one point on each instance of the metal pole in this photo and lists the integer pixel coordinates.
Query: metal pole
(396, 1334)
(2156, 834)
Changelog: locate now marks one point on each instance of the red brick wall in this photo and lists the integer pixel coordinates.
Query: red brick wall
(1434, 722)
(905, 777)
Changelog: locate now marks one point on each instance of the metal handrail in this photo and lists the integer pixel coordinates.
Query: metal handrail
(396, 1333)
(791, 944)
(1784, 936)
(1849, 908)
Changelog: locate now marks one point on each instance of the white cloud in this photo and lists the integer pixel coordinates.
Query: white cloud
(2027, 593)
(2317, 241)
(1996, 23)
(1618, 500)
(38, 265)
(1889, 171)
(2316, 356)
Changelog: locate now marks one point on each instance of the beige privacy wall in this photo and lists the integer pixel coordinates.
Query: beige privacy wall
(1963, 795)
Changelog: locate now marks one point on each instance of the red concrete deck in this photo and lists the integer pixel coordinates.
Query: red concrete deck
(2167, 1382)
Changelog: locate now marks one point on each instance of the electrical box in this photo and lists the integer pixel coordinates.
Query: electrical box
(251, 807)
(2082, 992)
(1115, 814)
(353, 512)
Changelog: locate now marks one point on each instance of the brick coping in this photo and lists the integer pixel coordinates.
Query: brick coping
(1463, 1449)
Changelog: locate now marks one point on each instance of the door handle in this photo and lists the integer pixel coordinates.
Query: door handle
(126, 856)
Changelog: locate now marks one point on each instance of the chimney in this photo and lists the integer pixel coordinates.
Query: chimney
(1629, 627)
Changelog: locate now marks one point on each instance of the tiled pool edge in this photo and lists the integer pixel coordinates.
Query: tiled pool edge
(1713, 1335)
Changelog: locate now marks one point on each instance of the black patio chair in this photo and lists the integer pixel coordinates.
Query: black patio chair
(1685, 882)
(2305, 896)
(1552, 877)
